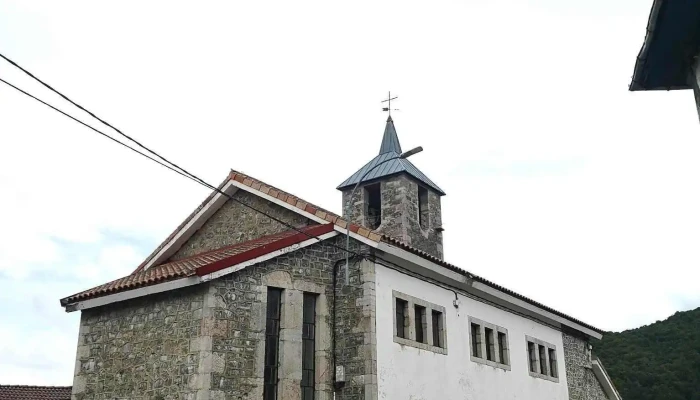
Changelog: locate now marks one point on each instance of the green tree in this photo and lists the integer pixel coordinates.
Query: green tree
(657, 361)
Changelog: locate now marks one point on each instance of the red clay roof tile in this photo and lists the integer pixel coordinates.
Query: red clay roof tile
(189, 266)
(19, 392)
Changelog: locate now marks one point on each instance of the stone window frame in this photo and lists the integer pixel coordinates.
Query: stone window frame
(291, 323)
(410, 340)
(548, 346)
(502, 364)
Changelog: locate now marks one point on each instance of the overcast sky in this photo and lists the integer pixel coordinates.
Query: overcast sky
(561, 184)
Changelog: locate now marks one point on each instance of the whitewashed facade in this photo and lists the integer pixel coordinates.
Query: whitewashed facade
(407, 372)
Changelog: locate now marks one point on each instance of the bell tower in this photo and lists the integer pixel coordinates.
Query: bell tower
(393, 197)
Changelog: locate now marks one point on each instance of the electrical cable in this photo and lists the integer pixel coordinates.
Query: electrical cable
(360, 255)
(92, 128)
(172, 166)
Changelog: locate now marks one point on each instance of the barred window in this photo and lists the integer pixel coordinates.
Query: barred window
(401, 309)
(308, 347)
(542, 359)
(272, 342)
(489, 344)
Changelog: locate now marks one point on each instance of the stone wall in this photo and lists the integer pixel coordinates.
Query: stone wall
(141, 349)
(207, 341)
(400, 214)
(583, 385)
(240, 305)
(234, 223)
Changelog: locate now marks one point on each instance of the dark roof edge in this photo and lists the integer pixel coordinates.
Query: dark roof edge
(477, 278)
(434, 187)
(638, 83)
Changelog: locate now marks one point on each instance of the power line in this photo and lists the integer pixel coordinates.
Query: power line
(103, 121)
(92, 128)
(172, 166)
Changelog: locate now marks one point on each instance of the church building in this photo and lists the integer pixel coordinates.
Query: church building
(261, 295)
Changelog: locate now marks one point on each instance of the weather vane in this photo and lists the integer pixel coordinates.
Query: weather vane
(388, 101)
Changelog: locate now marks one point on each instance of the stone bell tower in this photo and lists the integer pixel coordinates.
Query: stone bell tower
(395, 198)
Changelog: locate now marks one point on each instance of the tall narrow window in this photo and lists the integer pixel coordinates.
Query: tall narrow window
(373, 211)
(308, 347)
(503, 348)
(543, 359)
(272, 341)
(401, 306)
(490, 347)
(476, 340)
(423, 213)
(420, 324)
(532, 355)
(437, 328)
(553, 363)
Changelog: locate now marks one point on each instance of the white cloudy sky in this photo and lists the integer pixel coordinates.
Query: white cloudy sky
(562, 185)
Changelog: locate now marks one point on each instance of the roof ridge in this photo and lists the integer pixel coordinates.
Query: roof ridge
(231, 246)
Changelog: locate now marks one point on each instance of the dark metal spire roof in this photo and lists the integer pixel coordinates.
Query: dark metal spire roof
(390, 148)
(390, 141)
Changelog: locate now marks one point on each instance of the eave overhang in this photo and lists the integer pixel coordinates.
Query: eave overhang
(671, 44)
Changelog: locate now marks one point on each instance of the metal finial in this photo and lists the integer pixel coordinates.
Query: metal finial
(388, 101)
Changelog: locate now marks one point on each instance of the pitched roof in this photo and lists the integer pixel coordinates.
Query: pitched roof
(20, 392)
(202, 263)
(301, 205)
(393, 167)
(322, 214)
(389, 153)
(485, 281)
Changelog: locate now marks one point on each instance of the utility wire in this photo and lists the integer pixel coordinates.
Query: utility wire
(172, 166)
(92, 128)
(103, 121)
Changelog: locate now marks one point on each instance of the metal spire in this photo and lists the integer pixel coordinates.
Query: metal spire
(390, 141)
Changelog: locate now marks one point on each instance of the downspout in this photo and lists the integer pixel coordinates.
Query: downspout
(336, 385)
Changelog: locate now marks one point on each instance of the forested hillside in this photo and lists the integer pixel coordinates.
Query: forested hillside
(660, 361)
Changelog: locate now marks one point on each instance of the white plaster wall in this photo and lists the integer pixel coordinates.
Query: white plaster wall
(407, 373)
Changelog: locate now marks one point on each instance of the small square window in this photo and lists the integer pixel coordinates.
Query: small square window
(543, 359)
(503, 348)
(553, 363)
(437, 328)
(476, 340)
(421, 324)
(532, 356)
(401, 310)
(490, 346)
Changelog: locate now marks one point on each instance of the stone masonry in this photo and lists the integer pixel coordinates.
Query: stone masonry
(141, 349)
(400, 217)
(234, 223)
(240, 305)
(206, 342)
(583, 385)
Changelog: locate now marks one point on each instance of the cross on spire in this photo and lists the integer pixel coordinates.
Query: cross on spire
(388, 101)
